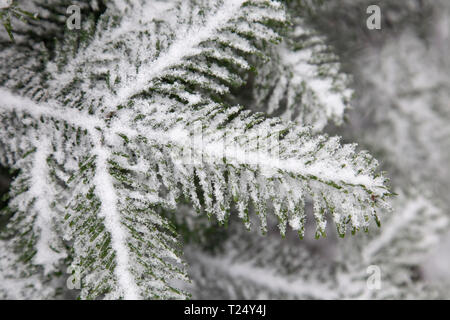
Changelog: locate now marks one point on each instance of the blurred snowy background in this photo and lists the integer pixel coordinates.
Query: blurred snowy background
(402, 105)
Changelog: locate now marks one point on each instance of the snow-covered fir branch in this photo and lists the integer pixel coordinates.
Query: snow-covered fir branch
(111, 126)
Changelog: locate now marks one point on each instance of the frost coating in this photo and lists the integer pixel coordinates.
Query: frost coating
(118, 108)
(302, 81)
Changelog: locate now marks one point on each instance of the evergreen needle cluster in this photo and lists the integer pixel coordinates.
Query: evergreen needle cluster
(99, 125)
